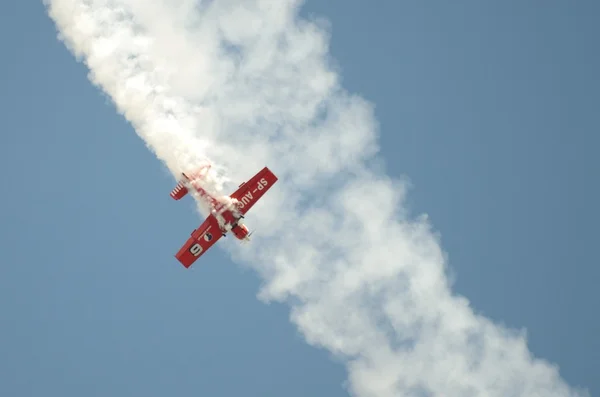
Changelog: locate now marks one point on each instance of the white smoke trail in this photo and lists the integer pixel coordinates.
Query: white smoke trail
(250, 83)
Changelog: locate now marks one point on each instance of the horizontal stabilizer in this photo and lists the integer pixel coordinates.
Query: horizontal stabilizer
(179, 191)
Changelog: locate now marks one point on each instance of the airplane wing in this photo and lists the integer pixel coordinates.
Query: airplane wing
(201, 240)
(250, 192)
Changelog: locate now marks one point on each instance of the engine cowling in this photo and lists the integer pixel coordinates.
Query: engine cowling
(240, 231)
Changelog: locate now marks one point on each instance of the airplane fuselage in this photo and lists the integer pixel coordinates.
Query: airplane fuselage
(225, 212)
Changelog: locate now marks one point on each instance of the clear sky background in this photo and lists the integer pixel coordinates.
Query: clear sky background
(489, 108)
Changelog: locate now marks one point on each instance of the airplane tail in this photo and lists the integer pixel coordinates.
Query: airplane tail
(179, 191)
(198, 173)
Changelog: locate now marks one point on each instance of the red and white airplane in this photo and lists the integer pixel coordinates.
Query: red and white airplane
(226, 212)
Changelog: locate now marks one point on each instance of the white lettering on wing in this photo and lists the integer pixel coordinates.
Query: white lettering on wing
(261, 184)
(246, 199)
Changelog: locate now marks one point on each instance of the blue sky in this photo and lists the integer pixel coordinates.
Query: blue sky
(488, 109)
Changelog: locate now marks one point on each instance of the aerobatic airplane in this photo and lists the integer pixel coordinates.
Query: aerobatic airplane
(226, 212)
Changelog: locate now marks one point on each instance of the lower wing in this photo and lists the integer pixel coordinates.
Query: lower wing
(201, 240)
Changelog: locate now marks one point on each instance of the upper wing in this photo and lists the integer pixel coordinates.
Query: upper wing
(249, 192)
(202, 239)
